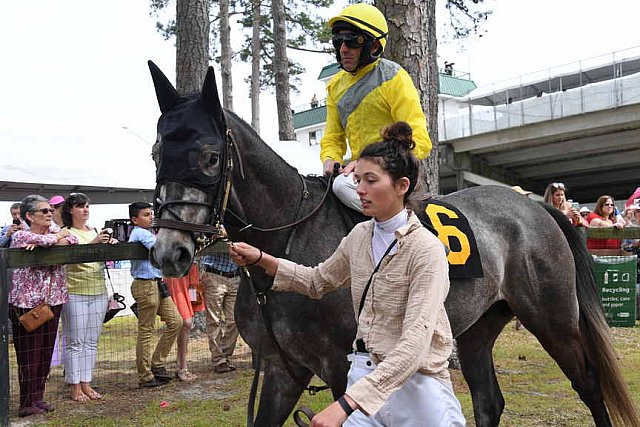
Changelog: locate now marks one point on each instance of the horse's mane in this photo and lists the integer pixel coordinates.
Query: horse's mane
(248, 138)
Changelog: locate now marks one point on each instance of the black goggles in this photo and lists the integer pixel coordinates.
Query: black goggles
(353, 41)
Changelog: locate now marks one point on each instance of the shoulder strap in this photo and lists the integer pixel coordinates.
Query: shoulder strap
(366, 288)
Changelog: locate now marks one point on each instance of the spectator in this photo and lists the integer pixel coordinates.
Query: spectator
(181, 289)
(633, 247)
(152, 298)
(314, 101)
(17, 224)
(82, 316)
(554, 195)
(369, 93)
(603, 215)
(56, 203)
(521, 190)
(221, 278)
(31, 287)
(584, 212)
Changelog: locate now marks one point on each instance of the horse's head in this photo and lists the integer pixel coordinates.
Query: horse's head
(191, 169)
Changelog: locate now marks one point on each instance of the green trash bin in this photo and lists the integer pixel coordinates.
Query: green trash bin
(616, 280)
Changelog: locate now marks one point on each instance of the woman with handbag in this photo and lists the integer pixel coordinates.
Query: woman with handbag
(83, 315)
(36, 288)
(398, 373)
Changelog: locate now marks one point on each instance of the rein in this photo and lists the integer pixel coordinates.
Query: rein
(305, 195)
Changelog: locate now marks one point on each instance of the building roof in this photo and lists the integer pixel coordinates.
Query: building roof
(328, 70)
(455, 86)
(14, 191)
(449, 85)
(310, 117)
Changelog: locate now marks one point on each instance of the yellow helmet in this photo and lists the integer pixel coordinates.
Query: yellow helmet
(365, 17)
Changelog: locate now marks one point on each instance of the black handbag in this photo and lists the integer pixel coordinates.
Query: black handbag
(116, 301)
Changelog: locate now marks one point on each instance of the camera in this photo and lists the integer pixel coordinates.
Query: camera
(16, 222)
(108, 232)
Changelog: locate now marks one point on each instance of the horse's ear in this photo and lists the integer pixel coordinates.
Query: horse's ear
(165, 92)
(209, 96)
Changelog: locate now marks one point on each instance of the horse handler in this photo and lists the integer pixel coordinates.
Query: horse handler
(398, 275)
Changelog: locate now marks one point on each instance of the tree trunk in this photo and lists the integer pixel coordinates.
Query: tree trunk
(281, 71)
(192, 44)
(225, 56)
(412, 44)
(256, 48)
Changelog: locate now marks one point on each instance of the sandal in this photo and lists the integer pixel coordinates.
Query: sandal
(80, 397)
(94, 395)
(185, 375)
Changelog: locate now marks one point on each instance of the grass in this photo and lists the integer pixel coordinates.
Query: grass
(535, 390)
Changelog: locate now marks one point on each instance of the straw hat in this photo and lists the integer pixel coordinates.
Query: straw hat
(520, 190)
(585, 209)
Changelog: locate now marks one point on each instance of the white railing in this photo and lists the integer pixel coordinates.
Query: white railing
(601, 83)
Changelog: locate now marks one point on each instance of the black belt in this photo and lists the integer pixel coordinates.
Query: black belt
(155, 279)
(229, 274)
(360, 346)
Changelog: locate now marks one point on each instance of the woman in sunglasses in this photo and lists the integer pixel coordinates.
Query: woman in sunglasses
(554, 195)
(31, 287)
(368, 94)
(83, 315)
(604, 215)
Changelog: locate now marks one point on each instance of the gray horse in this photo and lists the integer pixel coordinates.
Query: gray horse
(535, 265)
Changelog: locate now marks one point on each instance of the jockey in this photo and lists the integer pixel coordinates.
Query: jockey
(368, 94)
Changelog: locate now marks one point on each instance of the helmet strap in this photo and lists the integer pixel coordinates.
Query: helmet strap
(366, 57)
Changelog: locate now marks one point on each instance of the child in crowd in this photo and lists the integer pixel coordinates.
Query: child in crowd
(152, 298)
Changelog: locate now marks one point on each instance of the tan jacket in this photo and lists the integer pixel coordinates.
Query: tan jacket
(404, 323)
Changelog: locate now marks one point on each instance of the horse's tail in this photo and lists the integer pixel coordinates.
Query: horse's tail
(595, 331)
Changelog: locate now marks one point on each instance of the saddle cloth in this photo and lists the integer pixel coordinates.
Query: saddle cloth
(447, 223)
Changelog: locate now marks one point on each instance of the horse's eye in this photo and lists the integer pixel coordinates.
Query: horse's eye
(209, 161)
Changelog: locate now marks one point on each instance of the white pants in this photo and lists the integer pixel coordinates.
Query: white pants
(422, 401)
(344, 187)
(82, 320)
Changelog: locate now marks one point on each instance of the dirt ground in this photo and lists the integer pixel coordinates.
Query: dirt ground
(120, 391)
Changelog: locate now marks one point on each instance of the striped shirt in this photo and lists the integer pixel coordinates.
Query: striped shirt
(403, 323)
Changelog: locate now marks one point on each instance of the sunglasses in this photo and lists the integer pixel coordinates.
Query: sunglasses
(353, 41)
(45, 210)
(608, 204)
(558, 185)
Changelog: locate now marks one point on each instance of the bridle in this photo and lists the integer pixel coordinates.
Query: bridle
(208, 232)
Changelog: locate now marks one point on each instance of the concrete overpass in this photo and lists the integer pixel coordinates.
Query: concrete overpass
(579, 126)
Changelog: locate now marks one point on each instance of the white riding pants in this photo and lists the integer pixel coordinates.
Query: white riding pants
(344, 187)
(422, 401)
(82, 320)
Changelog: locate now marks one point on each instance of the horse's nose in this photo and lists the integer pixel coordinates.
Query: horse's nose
(173, 260)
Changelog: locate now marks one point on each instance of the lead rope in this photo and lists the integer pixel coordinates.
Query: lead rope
(261, 299)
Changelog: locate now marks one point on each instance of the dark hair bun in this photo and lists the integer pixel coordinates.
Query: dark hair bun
(400, 133)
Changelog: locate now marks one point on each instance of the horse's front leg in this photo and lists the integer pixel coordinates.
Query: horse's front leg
(280, 393)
